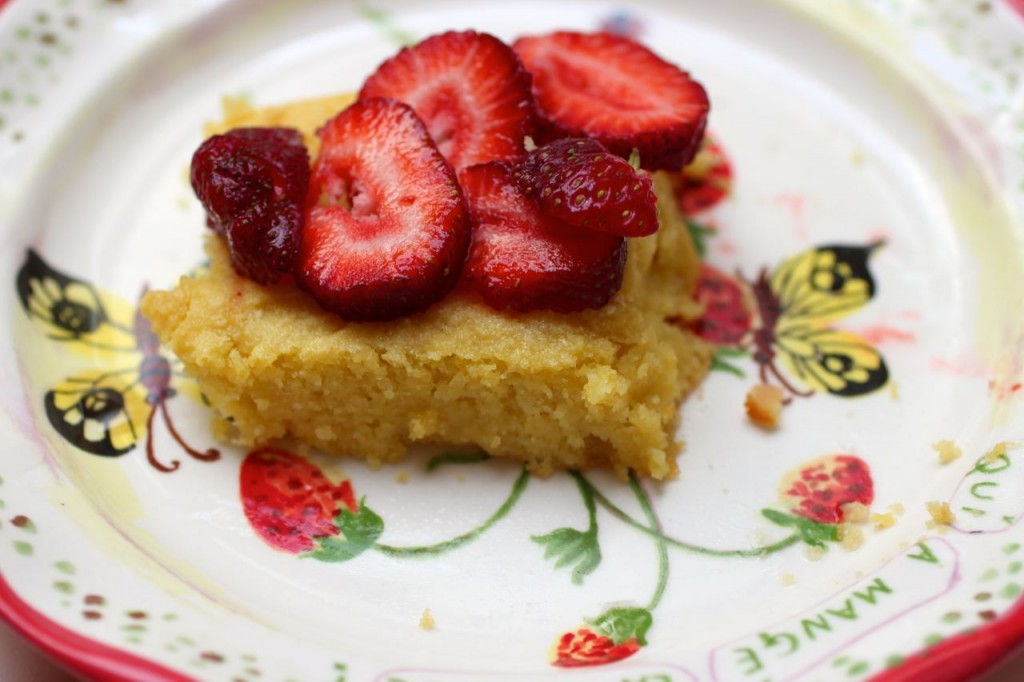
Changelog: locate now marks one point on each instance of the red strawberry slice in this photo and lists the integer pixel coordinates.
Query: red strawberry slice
(615, 90)
(386, 227)
(525, 260)
(253, 183)
(818, 489)
(289, 501)
(726, 318)
(578, 181)
(706, 181)
(469, 88)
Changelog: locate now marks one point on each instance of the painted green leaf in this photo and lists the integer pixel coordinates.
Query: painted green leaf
(812, 532)
(623, 623)
(720, 362)
(699, 233)
(569, 546)
(359, 532)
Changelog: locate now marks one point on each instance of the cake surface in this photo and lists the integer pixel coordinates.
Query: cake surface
(598, 388)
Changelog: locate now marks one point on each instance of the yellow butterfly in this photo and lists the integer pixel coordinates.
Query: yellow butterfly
(796, 304)
(108, 409)
(790, 333)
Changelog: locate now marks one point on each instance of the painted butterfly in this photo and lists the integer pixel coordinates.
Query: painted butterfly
(790, 332)
(107, 409)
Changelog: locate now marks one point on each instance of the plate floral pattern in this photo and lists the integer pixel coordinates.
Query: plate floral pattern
(866, 259)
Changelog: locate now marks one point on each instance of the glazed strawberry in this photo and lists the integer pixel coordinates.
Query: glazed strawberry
(289, 501)
(726, 318)
(579, 182)
(522, 259)
(818, 489)
(386, 227)
(615, 90)
(253, 183)
(469, 88)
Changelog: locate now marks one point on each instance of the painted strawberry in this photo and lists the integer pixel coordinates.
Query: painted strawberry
(522, 259)
(584, 647)
(289, 501)
(818, 489)
(727, 318)
(617, 91)
(469, 88)
(577, 180)
(616, 634)
(815, 492)
(386, 228)
(706, 181)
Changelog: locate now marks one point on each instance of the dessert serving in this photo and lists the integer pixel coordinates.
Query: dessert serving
(486, 250)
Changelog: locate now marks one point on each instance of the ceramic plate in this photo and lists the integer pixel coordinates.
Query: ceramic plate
(877, 159)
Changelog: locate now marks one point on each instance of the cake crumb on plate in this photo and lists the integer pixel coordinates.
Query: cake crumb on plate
(941, 514)
(947, 451)
(764, 405)
(427, 621)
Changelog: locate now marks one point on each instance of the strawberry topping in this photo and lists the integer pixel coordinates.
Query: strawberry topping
(522, 259)
(577, 181)
(615, 90)
(252, 183)
(386, 227)
(469, 88)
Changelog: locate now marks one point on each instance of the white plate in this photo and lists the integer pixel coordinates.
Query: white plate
(851, 123)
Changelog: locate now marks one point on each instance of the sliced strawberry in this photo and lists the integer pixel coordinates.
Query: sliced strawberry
(386, 227)
(525, 260)
(252, 183)
(469, 88)
(288, 501)
(614, 89)
(726, 319)
(578, 181)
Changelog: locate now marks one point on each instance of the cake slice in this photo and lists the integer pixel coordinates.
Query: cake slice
(596, 388)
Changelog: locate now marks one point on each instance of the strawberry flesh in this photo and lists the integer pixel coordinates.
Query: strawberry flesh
(522, 259)
(579, 182)
(253, 183)
(615, 90)
(469, 88)
(386, 229)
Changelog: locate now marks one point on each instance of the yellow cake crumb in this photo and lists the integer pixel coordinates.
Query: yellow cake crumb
(947, 450)
(764, 405)
(999, 449)
(883, 520)
(941, 514)
(787, 579)
(814, 553)
(897, 508)
(850, 536)
(401, 476)
(427, 621)
(854, 512)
